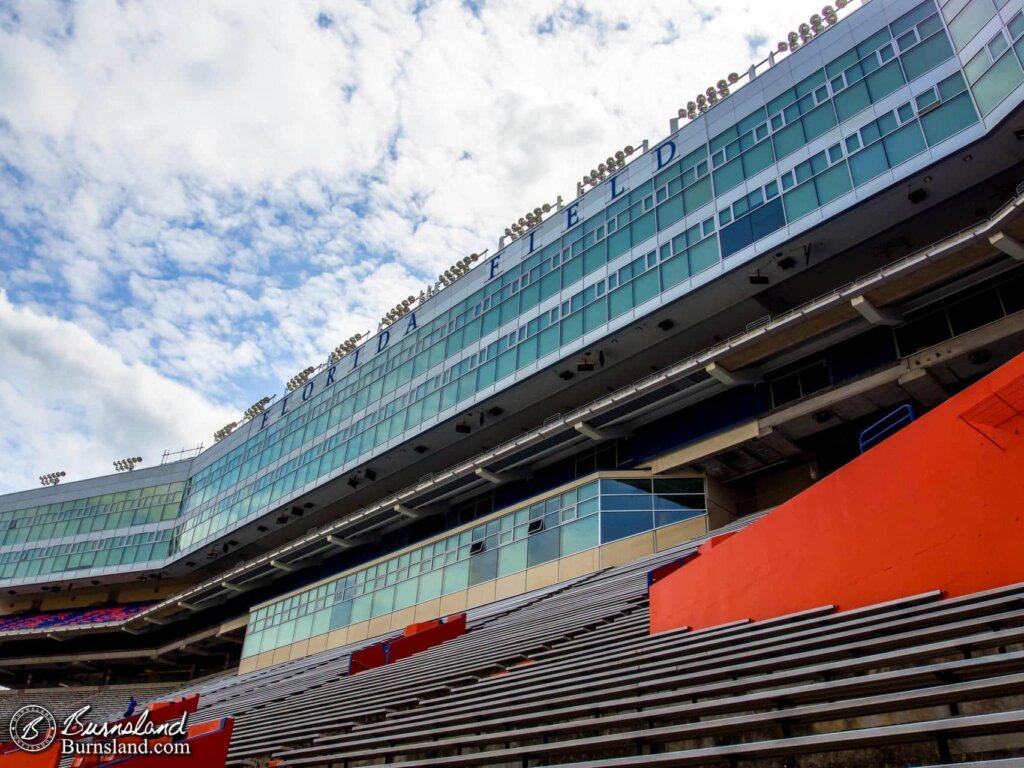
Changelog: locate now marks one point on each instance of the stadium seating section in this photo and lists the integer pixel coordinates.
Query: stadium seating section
(70, 618)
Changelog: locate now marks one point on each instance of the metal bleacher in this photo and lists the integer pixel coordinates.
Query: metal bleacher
(570, 675)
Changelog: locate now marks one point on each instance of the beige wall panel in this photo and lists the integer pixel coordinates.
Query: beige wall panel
(317, 644)
(453, 603)
(429, 609)
(508, 586)
(481, 594)
(627, 550)
(542, 575)
(403, 618)
(579, 564)
(677, 533)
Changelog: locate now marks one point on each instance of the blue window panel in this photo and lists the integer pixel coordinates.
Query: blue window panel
(543, 547)
(800, 201)
(904, 144)
(736, 236)
(970, 21)
(874, 42)
(580, 535)
(996, 84)
(927, 55)
(868, 163)
(952, 117)
(618, 525)
(767, 219)
(851, 101)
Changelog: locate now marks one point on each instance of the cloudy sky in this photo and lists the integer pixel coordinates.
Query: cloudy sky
(200, 198)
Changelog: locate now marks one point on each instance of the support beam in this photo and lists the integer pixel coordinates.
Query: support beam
(404, 511)
(282, 566)
(730, 378)
(1008, 245)
(588, 431)
(55, 637)
(152, 620)
(602, 433)
(873, 314)
(342, 543)
(188, 606)
(232, 587)
(490, 477)
(922, 386)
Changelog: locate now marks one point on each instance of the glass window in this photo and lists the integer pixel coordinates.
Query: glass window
(948, 119)
(995, 84)
(512, 558)
(970, 21)
(800, 201)
(579, 535)
(851, 101)
(542, 547)
(619, 525)
(483, 567)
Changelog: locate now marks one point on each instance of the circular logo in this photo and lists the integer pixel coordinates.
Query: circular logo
(33, 728)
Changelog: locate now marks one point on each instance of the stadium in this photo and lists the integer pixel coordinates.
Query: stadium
(718, 463)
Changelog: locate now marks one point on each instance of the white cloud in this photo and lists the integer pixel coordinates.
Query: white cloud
(206, 187)
(70, 403)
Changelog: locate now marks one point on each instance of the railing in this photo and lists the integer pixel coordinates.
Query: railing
(885, 426)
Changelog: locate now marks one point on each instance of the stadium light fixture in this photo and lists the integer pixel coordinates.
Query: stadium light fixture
(127, 465)
(256, 408)
(347, 346)
(51, 478)
(605, 169)
(224, 431)
(299, 379)
(531, 219)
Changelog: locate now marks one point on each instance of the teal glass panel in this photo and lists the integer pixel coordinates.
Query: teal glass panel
(698, 194)
(456, 577)
(703, 255)
(885, 80)
(430, 586)
(620, 300)
(789, 139)
(728, 176)
(851, 101)
(970, 21)
(483, 567)
(361, 609)
(904, 144)
(512, 558)
(405, 593)
(952, 117)
(996, 84)
(757, 158)
(321, 622)
(618, 242)
(819, 120)
(927, 55)
(642, 228)
(542, 547)
(383, 601)
(800, 201)
(579, 535)
(670, 211)
(868, 163)
(673, 271)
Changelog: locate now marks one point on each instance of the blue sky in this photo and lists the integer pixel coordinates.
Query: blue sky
(199, 199)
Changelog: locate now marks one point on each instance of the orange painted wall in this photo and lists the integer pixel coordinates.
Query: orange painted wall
(939, 505)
